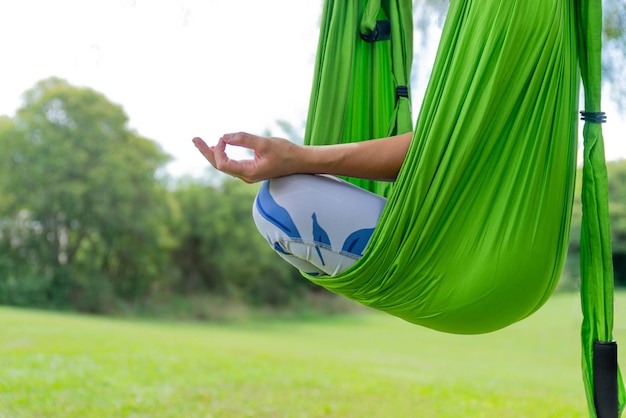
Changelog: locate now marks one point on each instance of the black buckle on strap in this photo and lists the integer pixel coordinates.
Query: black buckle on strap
(402, 91)
(596, 117)
(381, 32)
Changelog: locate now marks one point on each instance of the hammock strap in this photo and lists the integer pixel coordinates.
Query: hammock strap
(381, 32)
(360, 88)
(597, 117)
(603, 382)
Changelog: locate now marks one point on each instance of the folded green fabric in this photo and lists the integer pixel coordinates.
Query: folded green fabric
(475, 232)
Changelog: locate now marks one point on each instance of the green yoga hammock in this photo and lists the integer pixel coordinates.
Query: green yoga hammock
(475, 231)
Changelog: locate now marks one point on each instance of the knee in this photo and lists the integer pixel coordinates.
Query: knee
(272, 220)
(323, 221)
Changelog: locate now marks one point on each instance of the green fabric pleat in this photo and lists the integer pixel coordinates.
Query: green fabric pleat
(596, 255)
(474, 234)
(354, 89)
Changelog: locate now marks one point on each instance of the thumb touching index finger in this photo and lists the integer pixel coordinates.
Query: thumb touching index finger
(241, 139)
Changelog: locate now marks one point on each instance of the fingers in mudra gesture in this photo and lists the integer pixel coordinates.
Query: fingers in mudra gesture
(378, 159)
(272, 157)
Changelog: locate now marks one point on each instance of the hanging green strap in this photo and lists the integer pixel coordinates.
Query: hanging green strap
(603, 381)
(355, 90)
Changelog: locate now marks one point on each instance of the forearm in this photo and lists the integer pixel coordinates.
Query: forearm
(377, 159)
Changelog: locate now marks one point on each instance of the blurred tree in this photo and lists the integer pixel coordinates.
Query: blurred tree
(614, 49)
(220, 250)
(81, 202)
(617, 212)
(294, 134)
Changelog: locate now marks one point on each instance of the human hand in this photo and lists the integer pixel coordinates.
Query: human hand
(273, 157)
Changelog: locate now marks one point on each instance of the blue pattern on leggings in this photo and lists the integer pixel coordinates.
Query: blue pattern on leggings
(274, 213)
(319, 236)
(279, 249)
(357, 241)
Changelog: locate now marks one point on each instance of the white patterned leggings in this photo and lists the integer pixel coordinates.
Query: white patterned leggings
(320, 224)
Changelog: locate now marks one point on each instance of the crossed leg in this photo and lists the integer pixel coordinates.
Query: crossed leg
(320, 224)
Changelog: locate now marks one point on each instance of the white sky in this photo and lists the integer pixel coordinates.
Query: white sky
(180, 68)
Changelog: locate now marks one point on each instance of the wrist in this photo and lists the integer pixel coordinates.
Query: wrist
(322, 159)
(303, 159)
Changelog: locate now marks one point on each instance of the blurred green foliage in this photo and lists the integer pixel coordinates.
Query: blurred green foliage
(87, 221)
(617, 211)
(614, 49)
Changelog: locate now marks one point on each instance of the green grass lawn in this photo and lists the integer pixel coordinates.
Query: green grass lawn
(370, 365)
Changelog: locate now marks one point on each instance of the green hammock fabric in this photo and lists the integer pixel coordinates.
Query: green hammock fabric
(354, 78)
(475, 232)
(473, 236)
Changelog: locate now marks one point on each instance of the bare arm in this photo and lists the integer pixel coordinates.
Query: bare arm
(378, 159)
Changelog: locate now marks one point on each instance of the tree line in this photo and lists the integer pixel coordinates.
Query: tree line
(88, 220)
